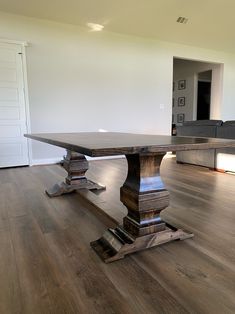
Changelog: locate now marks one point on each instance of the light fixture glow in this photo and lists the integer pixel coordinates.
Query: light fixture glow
(102, 130)
(95, 27)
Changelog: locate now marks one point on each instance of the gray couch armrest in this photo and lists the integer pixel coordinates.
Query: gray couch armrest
(225, 157)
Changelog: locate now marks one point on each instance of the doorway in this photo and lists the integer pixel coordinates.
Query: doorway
(197, 90)
(203, 100)
(204, 95)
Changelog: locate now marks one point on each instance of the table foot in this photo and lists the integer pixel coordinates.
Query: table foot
(116, 243)
(63, 188)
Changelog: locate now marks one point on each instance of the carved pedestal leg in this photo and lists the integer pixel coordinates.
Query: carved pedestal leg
(145, 196)
(76, 165)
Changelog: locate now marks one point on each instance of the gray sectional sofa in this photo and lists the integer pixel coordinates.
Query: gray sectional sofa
(219, 159)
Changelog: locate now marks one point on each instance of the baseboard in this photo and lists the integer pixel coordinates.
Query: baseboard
(51, 161)
(219, 170)
(225, 171)
(45, 161)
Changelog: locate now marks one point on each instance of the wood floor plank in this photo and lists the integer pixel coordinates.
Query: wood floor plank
(10, 292)
(43, 291)
(4, 224)
(39, 206)
(47, 265)
(122, 280)
(73, 260)
(14, 200)
(200, 275)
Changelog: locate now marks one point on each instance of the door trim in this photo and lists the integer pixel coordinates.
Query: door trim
(15, 42)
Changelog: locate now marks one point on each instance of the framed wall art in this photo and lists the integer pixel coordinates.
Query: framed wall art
(181, 101)
(182, 84)
(180, 117)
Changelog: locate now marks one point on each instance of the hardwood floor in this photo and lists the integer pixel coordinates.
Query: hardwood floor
(47, 265)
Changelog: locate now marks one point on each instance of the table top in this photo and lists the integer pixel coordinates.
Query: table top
(97, 144)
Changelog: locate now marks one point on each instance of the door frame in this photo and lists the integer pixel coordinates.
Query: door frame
(23, 45)
(217, 84)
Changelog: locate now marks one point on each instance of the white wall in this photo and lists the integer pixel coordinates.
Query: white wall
(84, 81)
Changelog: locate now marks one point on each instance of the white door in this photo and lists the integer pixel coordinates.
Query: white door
(13, 144)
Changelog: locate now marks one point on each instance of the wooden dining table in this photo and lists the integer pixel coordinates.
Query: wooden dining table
(143, 192)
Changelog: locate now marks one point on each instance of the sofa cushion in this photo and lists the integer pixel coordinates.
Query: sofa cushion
(226, 131)
(203, 122)
(196, 130)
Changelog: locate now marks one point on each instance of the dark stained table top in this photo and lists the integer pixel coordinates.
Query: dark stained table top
(111, 143)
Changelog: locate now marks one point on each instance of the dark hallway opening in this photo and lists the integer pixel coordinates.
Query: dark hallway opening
(203, 100)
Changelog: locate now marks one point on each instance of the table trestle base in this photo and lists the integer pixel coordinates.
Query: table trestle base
(63, 188)
(116, 243)
(145, 196)
(76, 166)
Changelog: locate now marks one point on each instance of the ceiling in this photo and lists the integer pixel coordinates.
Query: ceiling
(211, 23)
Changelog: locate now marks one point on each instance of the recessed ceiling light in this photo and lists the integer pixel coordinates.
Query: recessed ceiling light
(95, 27)
(182, 20)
